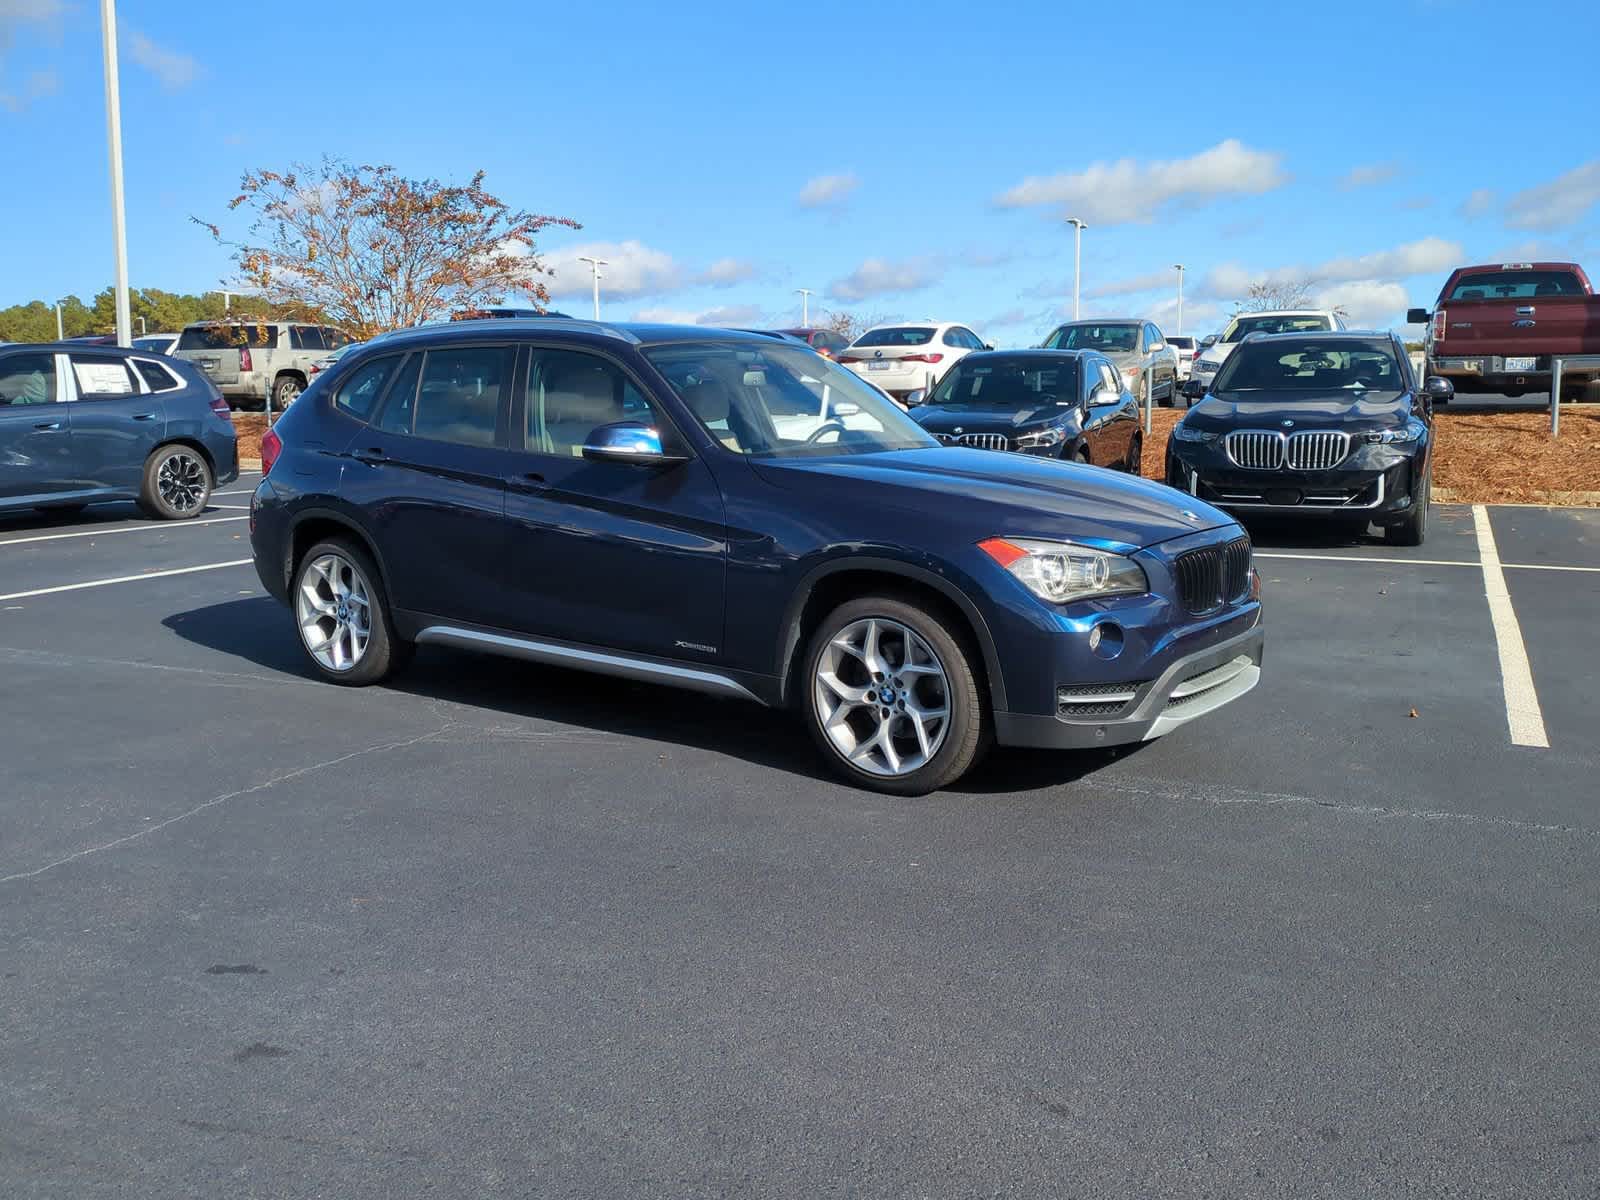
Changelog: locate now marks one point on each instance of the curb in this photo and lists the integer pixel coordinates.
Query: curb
(249, 464)
(1538, 499)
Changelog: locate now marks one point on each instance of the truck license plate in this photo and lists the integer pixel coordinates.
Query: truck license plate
(1519, 364)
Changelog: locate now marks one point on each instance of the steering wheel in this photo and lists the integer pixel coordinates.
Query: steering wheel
(816, 434)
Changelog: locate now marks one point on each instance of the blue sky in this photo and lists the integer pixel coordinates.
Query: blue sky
(899, 160)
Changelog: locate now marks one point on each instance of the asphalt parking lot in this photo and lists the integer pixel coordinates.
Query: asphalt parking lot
(503, 930)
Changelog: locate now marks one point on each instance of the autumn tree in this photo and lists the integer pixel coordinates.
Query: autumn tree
(849, 325)
(371, 250)
(1270, 295)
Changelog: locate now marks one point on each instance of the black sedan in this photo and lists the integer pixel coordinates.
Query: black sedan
(1325, 425)
(1068, 404)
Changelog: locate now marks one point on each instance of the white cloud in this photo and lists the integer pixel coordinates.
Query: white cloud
(1229, 281)
(172, 68)
(633, 270)
(1154, 281)
(1479, 202)
(881, 277)
(38, 85)
(1367, 303)
(1128, 191)
(1368, 176)
(727, 316)
(16, 13)
(826, 190)
(726, 272)
(1563, 201)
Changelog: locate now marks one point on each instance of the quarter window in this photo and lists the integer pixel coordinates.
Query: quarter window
(27, 379)
(101, 377)
(571, 394)
(459, 400)
(307, 337)
(360, 394)
(156, 377)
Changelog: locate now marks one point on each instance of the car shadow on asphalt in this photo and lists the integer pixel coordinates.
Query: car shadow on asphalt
(1277, 533)
(259, 631)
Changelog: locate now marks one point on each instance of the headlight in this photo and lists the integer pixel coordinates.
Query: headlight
(1044, 437)
(1411, 431)
(1185, 433)
(1061, 571)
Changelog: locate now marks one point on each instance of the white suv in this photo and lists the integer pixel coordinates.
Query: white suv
(1299, 320)
(907, 359)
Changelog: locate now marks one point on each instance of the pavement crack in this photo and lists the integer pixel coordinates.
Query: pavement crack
(264, 785)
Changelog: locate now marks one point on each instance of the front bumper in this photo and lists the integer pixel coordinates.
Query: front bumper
(1190, 687)
(1377, 484)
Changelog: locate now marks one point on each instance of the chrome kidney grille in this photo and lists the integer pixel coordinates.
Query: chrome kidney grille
(1265, 450)
(1255, 451)
(978, 441)
(1316, 451)
(1213, 576)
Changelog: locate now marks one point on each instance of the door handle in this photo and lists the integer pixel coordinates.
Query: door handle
(531, 482)
(47, 426)
(372, 456)
(144, 416)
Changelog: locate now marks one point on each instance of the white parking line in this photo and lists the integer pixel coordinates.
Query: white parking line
(1421, 562)
(146, 528)
(1523, 714)
(95, 583)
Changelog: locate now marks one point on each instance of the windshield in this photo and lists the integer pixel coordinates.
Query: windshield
(775, 400)
(1308, 366)
(1275, 324)
(1009, 383)
(1181, 341)
(221, 336)
(1516, 285)
(1110, 339)
(907, 335)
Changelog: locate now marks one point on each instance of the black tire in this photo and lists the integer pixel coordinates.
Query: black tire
(286, 390)
(1412, 530)
(966, 733)
(1135, 455)
(177, 483)
(385, 653)
(1082, 456)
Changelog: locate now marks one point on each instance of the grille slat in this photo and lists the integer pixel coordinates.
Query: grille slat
(1255, 451)
(1268, 450)
(1213, 576)
(978, 441)
(1316, 451)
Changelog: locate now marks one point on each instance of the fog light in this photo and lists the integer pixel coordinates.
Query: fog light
(1105, 639)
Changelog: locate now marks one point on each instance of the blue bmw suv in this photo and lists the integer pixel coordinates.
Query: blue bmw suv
(734, 513)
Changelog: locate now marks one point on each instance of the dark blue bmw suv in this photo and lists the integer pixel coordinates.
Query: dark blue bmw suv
(736, 514)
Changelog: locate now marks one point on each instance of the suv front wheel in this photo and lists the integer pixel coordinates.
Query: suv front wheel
(891, 698)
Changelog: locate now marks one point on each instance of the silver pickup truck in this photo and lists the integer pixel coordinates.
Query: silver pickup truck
(249, 361)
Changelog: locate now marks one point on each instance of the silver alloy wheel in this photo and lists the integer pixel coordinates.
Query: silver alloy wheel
(334, 607)
(181, 482)
(882, 697)
(288, 392)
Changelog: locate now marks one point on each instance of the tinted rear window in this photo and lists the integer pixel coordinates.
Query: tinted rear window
(229, 337)
(1182, 342)
(900, 335)
(1516, 285)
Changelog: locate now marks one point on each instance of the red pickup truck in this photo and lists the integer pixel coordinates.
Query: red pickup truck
(1495, 328)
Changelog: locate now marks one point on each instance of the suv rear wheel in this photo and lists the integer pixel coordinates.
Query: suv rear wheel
(891, 698)
(177, 483)
(286, 391)
(343, 615)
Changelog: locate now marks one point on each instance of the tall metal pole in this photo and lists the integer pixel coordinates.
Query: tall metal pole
(1179, 268)
(119, 232)
(1077, 261)
(60, 333)
(805, 307)
(594, 265)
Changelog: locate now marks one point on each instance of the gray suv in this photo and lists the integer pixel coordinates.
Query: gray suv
(249, 361)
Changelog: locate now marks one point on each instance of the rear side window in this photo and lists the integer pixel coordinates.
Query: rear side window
(899, 335)
(359, 394)
(156, 377)
(99, 377)
(459, 400)
(220, 336)
(27, 379)
(401, 405)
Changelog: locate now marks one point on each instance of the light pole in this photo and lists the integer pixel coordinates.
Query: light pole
(1077, 260)
(1179, 268)
(805, 307)
(142, 329)
(119, 232)
(61, 335)
(594, 265)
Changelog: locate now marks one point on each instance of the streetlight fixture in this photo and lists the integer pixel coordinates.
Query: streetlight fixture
(594, 266)
(1179, 268)
(1077, 260)
(805, 307)
(119, 231)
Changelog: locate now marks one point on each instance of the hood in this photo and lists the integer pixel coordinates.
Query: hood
(986, 418)
(1346, 410)
(1123, 360)
(992, 493)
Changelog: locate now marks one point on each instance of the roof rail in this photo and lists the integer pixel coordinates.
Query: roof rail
(570, 324)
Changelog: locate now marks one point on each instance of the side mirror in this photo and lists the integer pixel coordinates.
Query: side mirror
(1104, 396)
(629, 442)
(1157, 347)
(988, 345)
(1439, 389)
(1416, 316)
(846, 408)
(915, 397)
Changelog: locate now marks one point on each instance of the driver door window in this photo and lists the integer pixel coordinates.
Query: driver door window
(570, 395)
(27, 379)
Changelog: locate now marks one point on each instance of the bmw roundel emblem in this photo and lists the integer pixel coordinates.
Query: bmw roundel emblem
(879, 354)
(957, 429)
(1288, 424)
(1190, 516)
